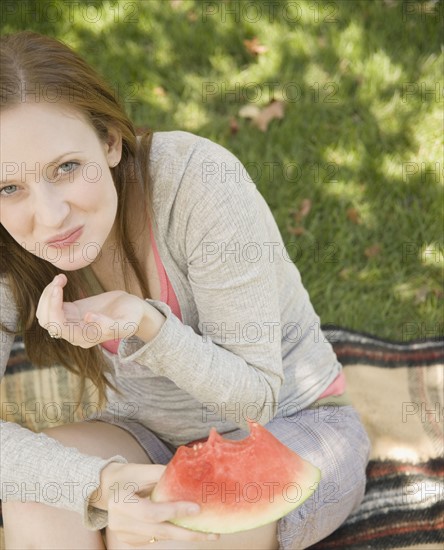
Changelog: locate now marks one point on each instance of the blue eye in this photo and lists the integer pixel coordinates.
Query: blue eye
(6, 187)
(69, 163)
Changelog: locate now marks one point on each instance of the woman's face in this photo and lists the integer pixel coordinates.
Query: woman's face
(54, 178)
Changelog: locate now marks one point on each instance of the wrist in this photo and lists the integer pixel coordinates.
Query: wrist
(108, 476)
(150, 324)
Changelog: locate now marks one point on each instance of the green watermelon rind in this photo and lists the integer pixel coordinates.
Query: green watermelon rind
(194, 523)
(225, 518)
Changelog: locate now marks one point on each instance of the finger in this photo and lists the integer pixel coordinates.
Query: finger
(149, 474)
(145, 474)
(159, 512)
(43, 302)
(146, 489)
(46, 294)
(56, 317)
(44, 311)
(168, 531)
(60, 279)
(140, 534)
(55, 312)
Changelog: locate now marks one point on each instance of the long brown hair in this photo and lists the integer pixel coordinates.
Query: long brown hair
(39, 65)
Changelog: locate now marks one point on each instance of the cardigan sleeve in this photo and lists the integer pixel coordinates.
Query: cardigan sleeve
(37, 468)
(235, 361)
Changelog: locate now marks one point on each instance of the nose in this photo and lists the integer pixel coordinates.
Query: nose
(51, 206)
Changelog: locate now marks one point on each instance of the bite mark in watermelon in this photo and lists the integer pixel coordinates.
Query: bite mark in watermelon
(239, 485)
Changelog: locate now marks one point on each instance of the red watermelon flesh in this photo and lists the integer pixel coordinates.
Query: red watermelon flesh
(239, 485)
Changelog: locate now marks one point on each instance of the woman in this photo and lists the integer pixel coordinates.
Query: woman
(153, 267)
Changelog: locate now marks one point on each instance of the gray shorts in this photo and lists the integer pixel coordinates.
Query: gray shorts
(330, 437)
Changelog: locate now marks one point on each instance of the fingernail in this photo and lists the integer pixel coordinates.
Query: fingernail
(55, 291)
(193, 510)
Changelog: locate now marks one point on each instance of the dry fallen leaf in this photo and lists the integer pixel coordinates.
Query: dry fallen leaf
(322, 42)
(274, 110)
(353, 215)
(192, 16)
(372, 251)
(344, 274)
(262, 117)
(159, 91)
(234, 126)
(254, 46)
(305, 207)
(249, 111)
(344, 65)
(303, 210)
(421, 294)
(295, 230)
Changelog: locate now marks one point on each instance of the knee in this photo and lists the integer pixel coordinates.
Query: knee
(100, 439)
(84, 437)
(13, 513)
(67, 434)
(54, 432)
(46, 527)
(12, 507)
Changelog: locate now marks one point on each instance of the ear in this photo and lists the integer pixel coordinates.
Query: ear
(113, 147)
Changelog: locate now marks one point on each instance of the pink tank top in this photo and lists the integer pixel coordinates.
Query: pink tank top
(168, 296)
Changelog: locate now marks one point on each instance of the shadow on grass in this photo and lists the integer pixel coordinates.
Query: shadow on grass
(181, 47)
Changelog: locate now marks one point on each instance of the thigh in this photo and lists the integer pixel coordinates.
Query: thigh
(37, 525)
(333, 439)
(97, 438)
(261, 538)
(51, 527)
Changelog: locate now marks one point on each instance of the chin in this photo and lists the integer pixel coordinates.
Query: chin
(76, 256)
(71, 264)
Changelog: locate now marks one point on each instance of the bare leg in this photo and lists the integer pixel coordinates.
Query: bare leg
(262, 538)
(34, 525)
(54, 528)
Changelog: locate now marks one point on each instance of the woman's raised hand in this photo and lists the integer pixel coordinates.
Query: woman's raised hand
(89, 321)
(132, 517)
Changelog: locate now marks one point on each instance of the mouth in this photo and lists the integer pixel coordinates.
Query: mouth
(67, 238)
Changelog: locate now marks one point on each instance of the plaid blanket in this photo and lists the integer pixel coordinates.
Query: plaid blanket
(397, 387)
(398, 390)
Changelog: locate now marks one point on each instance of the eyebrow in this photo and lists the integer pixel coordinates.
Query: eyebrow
(55, 161)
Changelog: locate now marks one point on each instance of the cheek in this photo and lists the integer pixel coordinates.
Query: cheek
(15, 219)
(110, 203)
(100, 206)
(100, 196)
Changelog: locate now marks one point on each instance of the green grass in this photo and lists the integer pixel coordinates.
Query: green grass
(361, 133)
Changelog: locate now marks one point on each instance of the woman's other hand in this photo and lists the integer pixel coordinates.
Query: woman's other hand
(90, 321)
(132, 517)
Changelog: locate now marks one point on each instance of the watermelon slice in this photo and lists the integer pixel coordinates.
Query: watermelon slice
(239, 485)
